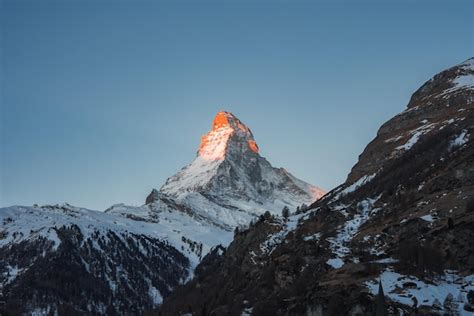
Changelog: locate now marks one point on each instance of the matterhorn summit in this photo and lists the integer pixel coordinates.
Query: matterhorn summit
(229, 183)
(227, 132)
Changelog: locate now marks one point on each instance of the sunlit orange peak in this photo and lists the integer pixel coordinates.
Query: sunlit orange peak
(214, 144)
(253, 146)
(227, 119)
(221, 120)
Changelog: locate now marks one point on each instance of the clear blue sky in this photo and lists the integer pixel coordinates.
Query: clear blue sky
(103, 100)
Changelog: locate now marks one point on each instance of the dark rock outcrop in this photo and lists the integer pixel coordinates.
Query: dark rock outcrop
(152, 197)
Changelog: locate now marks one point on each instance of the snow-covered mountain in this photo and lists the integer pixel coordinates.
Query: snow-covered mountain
(65, 259)
(60, 259)
(229, 183)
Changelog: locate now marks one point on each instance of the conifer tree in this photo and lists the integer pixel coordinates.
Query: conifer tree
(381, 309)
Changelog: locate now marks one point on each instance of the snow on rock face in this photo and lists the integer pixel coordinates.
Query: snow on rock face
(455, 80)
(466, 77)
(460, 139)
(288, 225)
(229, 183)
(354, 186)
(339, 243)
(415, 135)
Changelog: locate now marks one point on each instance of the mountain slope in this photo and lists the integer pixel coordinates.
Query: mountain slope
(72, 260)
(404, 216)
(440, 102)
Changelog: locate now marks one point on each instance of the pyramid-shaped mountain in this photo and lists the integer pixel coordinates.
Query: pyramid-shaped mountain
(229, 183)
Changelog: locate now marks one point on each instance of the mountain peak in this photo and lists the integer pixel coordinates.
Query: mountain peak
(227, 119)
(229, 183)
(226, 127)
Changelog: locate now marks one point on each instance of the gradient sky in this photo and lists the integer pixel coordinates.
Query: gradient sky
(102, 101)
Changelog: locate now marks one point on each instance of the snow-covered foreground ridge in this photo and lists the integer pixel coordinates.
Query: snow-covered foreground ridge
(115, 263)
(21, 223)
(136, 260)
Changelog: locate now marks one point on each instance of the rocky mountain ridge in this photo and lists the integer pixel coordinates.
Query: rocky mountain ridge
(438, 103)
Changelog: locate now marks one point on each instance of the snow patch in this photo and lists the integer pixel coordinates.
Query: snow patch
(339, 244)
(274, 240)
(412, 141)
(155, 295)
(314, 237)
(425, 292)
(386, 261)
(12, 273)
(351, 188)
(460, 140)
(416, 134)
(428, 218)
(467, 80)
(336, 263)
